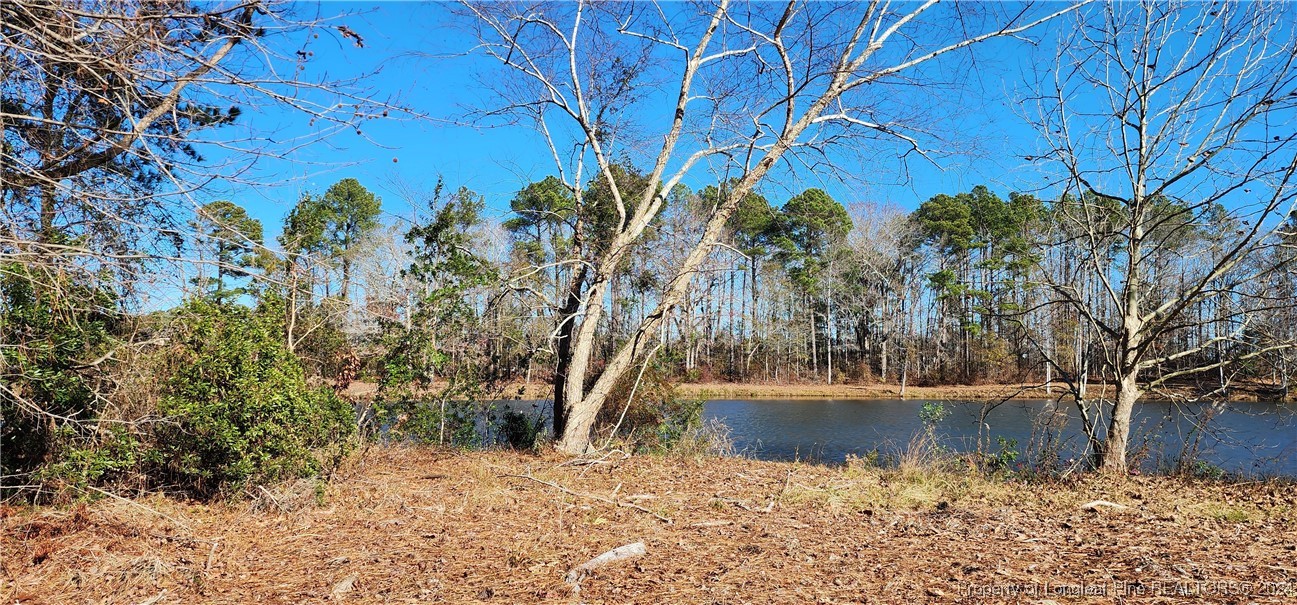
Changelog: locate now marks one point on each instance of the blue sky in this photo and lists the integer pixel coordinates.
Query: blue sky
(412, 50)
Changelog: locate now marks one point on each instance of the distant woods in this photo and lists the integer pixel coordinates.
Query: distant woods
(959, 291)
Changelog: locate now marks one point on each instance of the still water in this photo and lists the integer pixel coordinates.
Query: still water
(1244, 438)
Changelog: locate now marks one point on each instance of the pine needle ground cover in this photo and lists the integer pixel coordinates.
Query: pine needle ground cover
(420, 525)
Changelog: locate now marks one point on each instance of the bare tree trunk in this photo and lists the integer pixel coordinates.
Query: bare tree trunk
(563, 349)
(507, 35)
(815, 353)
(1117, 442)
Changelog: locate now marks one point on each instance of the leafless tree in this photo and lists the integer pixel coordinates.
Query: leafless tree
(738, 89)
(1171, 125)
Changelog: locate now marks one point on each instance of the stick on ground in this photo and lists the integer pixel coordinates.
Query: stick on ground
(629, 551)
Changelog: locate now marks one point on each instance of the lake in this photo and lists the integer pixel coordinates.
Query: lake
(1240, 437)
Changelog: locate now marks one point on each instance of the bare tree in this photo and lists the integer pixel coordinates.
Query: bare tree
(736, 88)
(1171, 125)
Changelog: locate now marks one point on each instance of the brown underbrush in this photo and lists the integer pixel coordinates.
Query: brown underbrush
(418, 525)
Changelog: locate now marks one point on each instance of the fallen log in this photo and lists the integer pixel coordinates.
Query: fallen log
(629, 551)
(1097, 504)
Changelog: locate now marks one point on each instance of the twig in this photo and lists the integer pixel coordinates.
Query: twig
(207, 567)
(780, 498)
(1097, 504)
(711, 523)
(743, 505)
(273, 499)
(155, 598)
(591, 496)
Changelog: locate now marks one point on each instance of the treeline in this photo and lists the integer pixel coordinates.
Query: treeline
(451, 307)
(958, 291)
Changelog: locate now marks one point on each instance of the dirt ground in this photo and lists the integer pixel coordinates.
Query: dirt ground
(423, 526)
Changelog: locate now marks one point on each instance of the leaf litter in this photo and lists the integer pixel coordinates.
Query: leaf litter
(403, 525)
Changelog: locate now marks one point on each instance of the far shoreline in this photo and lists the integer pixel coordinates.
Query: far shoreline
(982, 392)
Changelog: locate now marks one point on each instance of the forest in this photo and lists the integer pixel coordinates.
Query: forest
(157, 335)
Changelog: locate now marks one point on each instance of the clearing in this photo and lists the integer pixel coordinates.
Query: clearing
(420, 525)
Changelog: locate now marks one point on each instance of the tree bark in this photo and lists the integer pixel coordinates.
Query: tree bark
(1113, 455)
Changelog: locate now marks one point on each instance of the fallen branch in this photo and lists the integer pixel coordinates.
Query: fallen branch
(743, 505)
(580, 572)
(592, 496)
(1097, 504)
(600, 460)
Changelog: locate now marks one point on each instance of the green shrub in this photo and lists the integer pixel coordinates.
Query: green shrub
(520, 431)
(238, 405)
(1002, 460)
(109, 457)
(56, 331)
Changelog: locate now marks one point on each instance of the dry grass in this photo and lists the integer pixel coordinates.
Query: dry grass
(403, 525)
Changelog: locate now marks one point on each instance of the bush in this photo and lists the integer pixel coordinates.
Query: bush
(520, 431)
(112, 456)
(56, 332)
(239, 408)
(649, 415)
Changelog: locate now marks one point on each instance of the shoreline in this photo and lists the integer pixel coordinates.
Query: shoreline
(759, 390)
(984, 392)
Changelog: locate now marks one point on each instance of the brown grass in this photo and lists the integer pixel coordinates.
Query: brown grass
(405, 525)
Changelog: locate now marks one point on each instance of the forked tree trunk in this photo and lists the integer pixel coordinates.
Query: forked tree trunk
(582, 406)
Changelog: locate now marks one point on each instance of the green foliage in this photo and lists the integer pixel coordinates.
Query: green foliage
(1003, 458)
(600, 205)
(1202, 469)
(519, 430)
(56, 330)
(810, 228)
(330, 224)
(237, 239)
(443, 262)
(947, 220)
(108, 457)
(932, 413)
(444, 257)
(239, 407)
(539, 205)
(406, 414)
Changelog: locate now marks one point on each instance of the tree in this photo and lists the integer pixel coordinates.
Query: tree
(110, 110)
(748, 87)
(811, 234)
(113, 115)
(237, 240)
(331, 225)
(983, 248)
(446, 269)
(1165, 123)
(352, 212)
